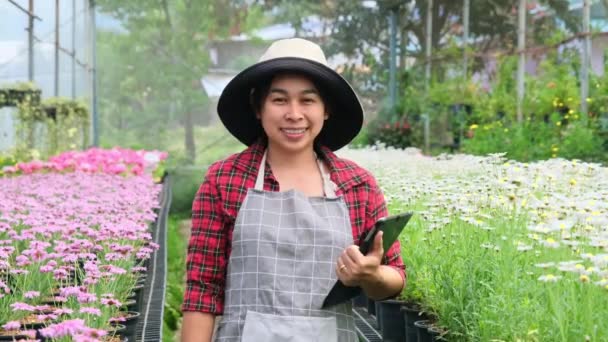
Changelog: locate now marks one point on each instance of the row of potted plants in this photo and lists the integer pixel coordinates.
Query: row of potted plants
(498, 249)
(401, 321)
(74, 240)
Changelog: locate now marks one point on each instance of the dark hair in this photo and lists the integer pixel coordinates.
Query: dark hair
(260, 91)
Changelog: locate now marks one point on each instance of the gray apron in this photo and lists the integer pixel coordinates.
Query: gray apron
(282, 266)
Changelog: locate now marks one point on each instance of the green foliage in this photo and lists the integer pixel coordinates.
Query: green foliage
(396, 134)
(176, 272)
(168, 36)
(480, 287)
(14, 94)
(185, 182)
(534, 140)
(50, 127)
(553, 127)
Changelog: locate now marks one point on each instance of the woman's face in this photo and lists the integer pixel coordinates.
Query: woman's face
(292, 114)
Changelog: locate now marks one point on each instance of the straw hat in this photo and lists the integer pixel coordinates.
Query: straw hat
(303, 57)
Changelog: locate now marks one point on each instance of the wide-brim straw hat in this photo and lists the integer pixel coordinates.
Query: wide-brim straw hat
(292, 56)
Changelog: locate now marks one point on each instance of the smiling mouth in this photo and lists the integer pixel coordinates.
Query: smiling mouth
(293, 130)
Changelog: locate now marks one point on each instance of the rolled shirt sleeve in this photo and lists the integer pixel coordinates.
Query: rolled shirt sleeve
(206, 259)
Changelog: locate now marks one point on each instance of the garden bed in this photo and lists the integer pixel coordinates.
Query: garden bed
(78, 236)
(498, 249)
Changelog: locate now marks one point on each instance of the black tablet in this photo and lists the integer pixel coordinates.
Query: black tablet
(391, 226)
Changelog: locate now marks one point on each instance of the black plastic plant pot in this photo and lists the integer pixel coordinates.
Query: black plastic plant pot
(411, 314)
(378, 314)
(117, 330)
(437, 334)
(390, 320)
(130, 325)
(360, 300)
(144, 262)
(371, 306)
(16, 337)
(423, 331)
(130, 305)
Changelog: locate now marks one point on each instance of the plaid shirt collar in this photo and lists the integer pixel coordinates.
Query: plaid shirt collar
(345, 174)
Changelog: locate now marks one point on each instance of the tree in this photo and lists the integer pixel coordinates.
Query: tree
(157, 63)
(356, 27)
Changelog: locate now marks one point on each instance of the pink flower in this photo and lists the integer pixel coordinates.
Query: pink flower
(24, 167)
(114, 257)
(46, 317)
(90, 281)
(89, 334)
(46, 269)
(31, 294)
(12, 325)
(63, 329)
(22, 260)
(42, 308)
(60, 299)
(139, 269)
(117, 319)
(111, 302)
(60, 274)
(63, 311)
(86, 298)
(22, 306)
(90, 311)
(9, 169)
(137, 170)
(70, 291)
(116, 169)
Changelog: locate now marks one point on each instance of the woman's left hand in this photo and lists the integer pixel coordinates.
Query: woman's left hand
(356, 269)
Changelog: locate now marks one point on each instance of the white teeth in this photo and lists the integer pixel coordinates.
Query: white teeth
(294, 131)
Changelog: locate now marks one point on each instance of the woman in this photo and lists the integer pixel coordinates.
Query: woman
(275, 226)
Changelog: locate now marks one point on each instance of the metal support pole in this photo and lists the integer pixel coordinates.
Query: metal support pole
(465, 24)
(521, 46)
(73, 49)
(429, 43)
(30, 42)
(393, 58)
(56, 48)
(586, 52)
(94, 74)
(427, 133)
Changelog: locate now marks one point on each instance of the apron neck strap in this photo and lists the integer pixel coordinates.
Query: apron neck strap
(328, 185)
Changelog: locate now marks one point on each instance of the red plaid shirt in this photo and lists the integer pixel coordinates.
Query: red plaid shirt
(219, 198)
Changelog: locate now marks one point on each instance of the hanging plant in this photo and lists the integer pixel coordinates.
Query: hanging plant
(53, 126)
(15, 94)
